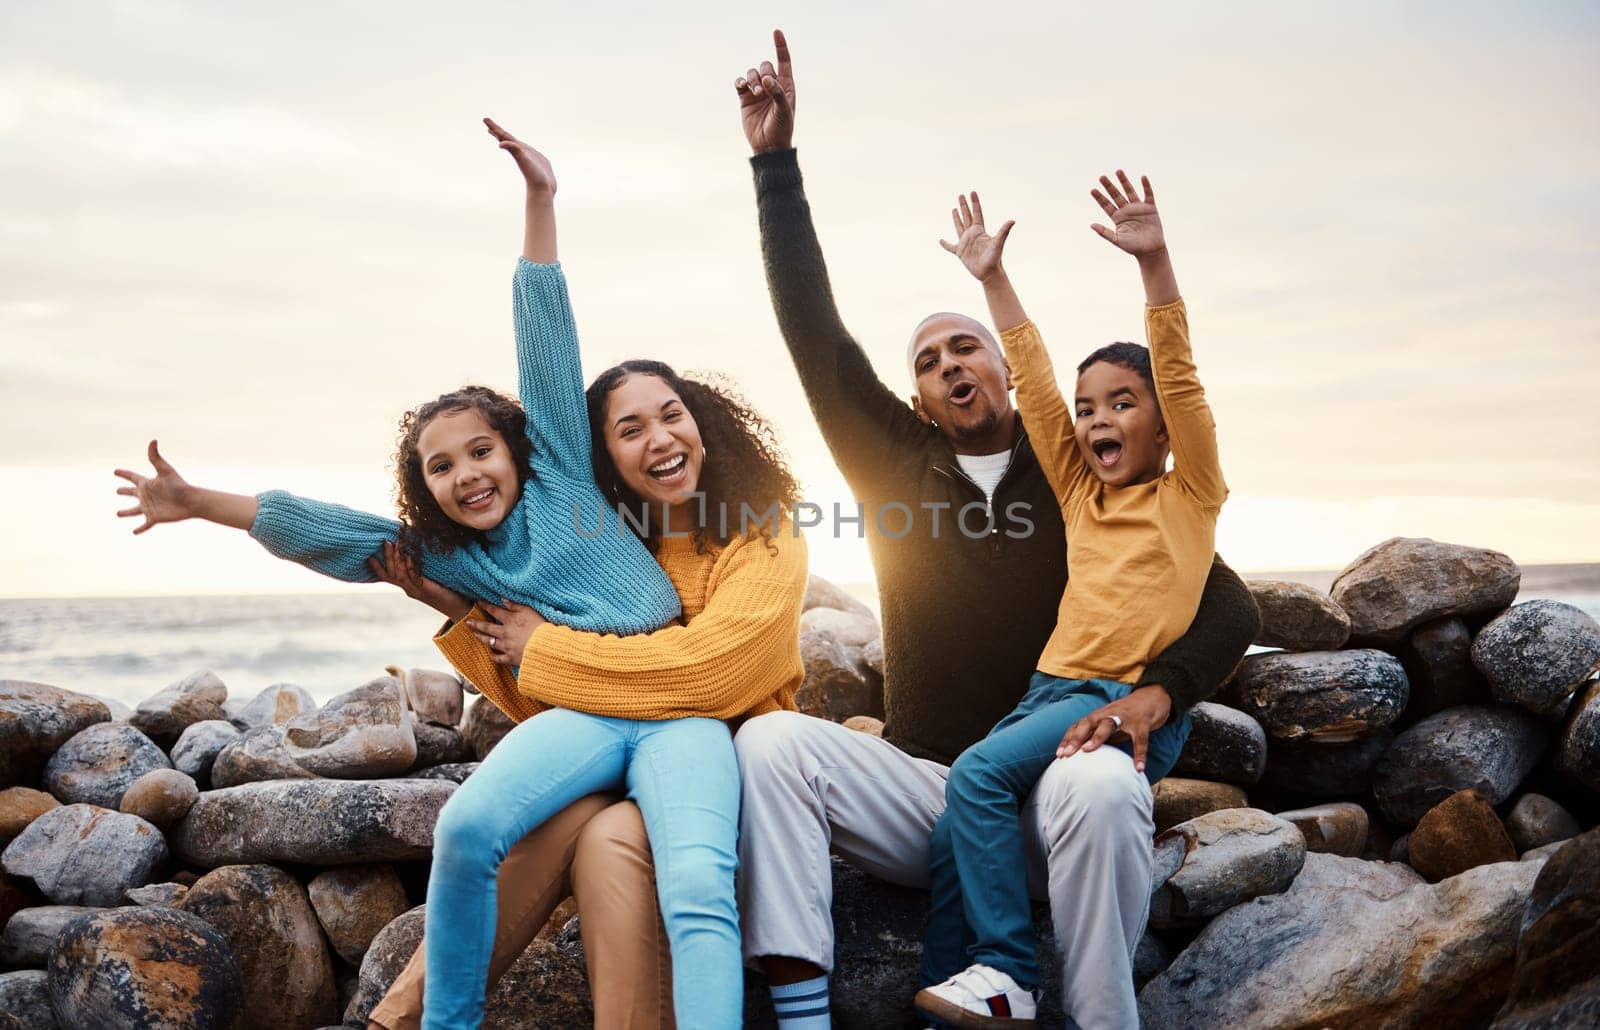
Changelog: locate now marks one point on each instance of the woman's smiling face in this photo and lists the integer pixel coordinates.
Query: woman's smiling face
(469, 468)
(653, 440)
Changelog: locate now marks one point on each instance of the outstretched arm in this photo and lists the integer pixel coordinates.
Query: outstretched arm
(168, 497)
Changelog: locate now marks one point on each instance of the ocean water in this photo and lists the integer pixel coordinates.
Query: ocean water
(127, 648)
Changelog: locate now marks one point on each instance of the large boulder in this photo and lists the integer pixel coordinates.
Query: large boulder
(160, 797)
(275, 705)
(35, 720)
(264, 915)
(198, 746)
(439, 745)
(484, 726)
(850, 629)
(1537, 654)
(1318, 769)
(435, 697)
(1577, 750)
(1327, 871)
(1321, 695)
(1224, 744)
(98, 764)
(354, 903)
(1337, 828)
(1177, 800)
(198, 697)
(1555, 982)
(1536, 820)
(256, 755)
(25, 996)
(1438, 661)
(312, 822)
(1484, 748)
(1222, 859)
(20, 806)
(1297, 617)
(83, 855)
(152, 968)
(1353, 954)
(834, 686)
(361, 734)
(25, 943)
(1406, 581)
(1459, 833)
(820, 593)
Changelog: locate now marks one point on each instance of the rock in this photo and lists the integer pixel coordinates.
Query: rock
(435, 697)
(1317, 769)
(25, 943)
(361, 734)
(1475, 747)
(865, 724)
(1430, 955)
(1459, 833)
(1321, 695)
(264, 915)
(20, 806)
(1229, 857)
(1537, 654)
(198, 747)
(354, 902)
(277, 704)
(1382, 880)
(256, 755)
(822, 594)
(25, 996)
(80, 854)
(484, 726)
(98, 764)
(35, 720)
(1555, 982)
(439, 745)
(119, 711)
(850, 629)
(389, 952)
(155, 968)
(872, 657)
(160, 797)
(1536, 820)
(454, 772)
(1225, 744)
(1400, 851)
(158, 895)
(1577, 750)
(1438, 661)
(1177, 800)
(1404, 582)
(834, 687)
(1150, 957)
(1297, 617)
(198, 697)
(1339, 828)
(313, 822)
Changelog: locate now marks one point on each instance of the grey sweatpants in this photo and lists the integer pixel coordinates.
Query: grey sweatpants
(811, 786)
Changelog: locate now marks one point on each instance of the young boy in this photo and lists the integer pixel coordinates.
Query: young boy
(1142, 540)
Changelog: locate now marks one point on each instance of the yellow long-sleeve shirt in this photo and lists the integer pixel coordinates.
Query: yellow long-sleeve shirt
(1138, 555)
(737, 654)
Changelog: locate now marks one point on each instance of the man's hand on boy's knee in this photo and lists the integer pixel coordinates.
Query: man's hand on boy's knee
(1135, 717)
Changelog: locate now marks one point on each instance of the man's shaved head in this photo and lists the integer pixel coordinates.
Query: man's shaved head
(962, 382)
(948, 322)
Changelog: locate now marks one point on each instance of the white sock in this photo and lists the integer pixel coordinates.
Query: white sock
(802, 1006)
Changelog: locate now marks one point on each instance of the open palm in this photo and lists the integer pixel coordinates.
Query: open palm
(979, 252)
(1136, 223)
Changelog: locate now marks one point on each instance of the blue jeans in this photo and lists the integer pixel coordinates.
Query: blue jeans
(979, 910)
(682, 774)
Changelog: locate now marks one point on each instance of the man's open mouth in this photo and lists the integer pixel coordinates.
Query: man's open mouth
(1106, 452)
(962, 393)
(668, 469)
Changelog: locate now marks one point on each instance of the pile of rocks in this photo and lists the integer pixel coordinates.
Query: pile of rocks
(1339, 845)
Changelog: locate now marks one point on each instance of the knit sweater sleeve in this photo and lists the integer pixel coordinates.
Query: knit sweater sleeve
(1195, 665)
(1045, 411)
(740, 655)
(865, 425)
(1196, 468)
(549, 372)
(471, 659)
(327, 538)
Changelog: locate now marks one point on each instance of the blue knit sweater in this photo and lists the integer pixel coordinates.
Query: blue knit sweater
(607, 583)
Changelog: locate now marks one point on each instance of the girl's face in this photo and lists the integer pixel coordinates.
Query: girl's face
(653, 440)
(469, 468)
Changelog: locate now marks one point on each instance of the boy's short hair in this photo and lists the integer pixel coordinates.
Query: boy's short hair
(1131, 356)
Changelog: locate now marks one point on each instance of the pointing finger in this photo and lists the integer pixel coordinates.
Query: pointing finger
(781, 45)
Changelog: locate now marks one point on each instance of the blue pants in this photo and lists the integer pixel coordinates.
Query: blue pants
(979, 911)
(682, 774)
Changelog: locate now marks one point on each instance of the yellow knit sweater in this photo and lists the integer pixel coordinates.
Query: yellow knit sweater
(1138, 555)
(737, 654)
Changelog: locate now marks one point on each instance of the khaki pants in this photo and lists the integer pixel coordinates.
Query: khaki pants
(596, 851)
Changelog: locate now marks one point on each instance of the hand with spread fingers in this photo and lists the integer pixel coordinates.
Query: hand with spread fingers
(1135, 717)
(394, 566)
(978, 251)
(1136, 225)
(164, 497)
(766, 101)
(508, 635)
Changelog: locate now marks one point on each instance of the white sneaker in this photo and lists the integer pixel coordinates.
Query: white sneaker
(979, 996)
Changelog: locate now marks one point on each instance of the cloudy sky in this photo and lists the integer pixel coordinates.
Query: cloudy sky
(260, 235)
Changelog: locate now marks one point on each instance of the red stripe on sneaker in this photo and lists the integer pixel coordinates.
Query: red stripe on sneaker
(1000, 1005)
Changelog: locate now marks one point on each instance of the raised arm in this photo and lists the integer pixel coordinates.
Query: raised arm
(549, 372)
(168, 497)
(1191, 428)
(863, 421)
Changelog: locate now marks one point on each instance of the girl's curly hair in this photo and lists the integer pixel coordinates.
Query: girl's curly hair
(744, 464)
(422, 523)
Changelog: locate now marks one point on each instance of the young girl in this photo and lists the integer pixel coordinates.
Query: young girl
(680, 771)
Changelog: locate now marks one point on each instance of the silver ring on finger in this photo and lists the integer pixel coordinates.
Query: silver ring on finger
(1116, 720)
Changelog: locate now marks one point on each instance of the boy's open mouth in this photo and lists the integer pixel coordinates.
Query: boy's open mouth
(961, 393)
(668, 469)
(1106, 452)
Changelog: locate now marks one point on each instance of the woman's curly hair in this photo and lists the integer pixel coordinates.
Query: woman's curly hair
(422, 523)
(743, 465)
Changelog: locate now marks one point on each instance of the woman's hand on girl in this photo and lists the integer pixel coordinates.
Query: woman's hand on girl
(507, 637)
(766, 101)
(534, 166)
(395, 567)
(978, 251)
(164, 497)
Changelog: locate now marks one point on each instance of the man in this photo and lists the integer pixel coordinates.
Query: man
(969, 595)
